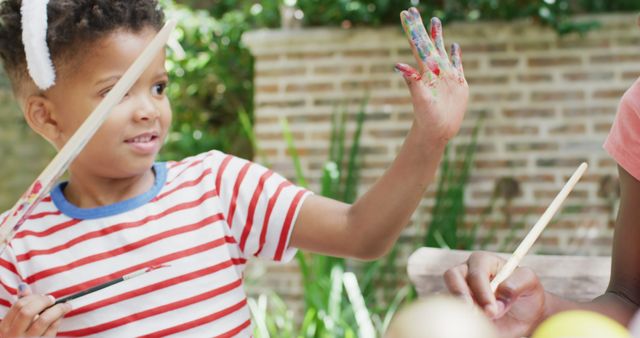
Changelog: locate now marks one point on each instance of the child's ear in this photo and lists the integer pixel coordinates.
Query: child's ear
(39, 115)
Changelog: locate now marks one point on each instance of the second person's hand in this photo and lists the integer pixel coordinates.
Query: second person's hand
(519, 303)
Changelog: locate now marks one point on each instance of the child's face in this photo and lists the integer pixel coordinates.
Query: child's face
(129, 140)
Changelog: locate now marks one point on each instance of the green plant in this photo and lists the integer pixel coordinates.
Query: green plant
(211, 82)
(328, 312)
(212, 79)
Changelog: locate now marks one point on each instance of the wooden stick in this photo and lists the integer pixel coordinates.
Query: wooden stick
(50, 175)
(537, 229)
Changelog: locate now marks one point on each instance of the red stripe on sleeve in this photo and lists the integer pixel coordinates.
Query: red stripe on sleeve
(236, 190)
(221, 170)
(284, 235)
(252, 208)
(267, 216)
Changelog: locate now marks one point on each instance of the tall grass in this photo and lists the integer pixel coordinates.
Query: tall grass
(328, 312)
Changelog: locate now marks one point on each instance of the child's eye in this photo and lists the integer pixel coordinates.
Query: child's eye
(159, 89)
(106, 91)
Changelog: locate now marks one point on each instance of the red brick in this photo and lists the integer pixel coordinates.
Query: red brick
(338, 69)
(557, 95)
(534, 78)
(493, 97)
(560, 162)
(366, 84)
(552, 61)
(280, 72)
(568, 129)
(529, 113)
(589, 111)
(281, 104)
(270, 89)
(508, 129)
(367, 53)
(508, 63)
(631, 75)
(618, 58)
(310, 55)
(309, 87)
(609, 93)
(530, 147)
(588, 76)
(484, 48)
(487, 79)
(582, 44)
(531, 46)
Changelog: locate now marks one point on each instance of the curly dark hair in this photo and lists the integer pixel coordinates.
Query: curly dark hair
(73, 24)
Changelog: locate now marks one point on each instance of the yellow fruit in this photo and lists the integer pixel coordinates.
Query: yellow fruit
(580, 324)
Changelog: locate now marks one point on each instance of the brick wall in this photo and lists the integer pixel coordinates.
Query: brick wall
(549, 102)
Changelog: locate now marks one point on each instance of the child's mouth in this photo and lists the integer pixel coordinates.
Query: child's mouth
(144, 144)
(142, 139)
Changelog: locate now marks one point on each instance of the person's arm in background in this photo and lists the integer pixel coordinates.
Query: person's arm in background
(520, 303)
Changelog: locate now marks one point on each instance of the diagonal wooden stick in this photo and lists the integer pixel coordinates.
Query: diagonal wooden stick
(537, 229)
(45, 181)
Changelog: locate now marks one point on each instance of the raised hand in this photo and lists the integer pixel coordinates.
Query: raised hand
(438, 88)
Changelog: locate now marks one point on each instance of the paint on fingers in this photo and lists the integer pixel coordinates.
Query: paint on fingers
(422, 31)
(436, 36)
(417, 34)
(414, 37)
(23, 289)
(408, 72)
(456, 59)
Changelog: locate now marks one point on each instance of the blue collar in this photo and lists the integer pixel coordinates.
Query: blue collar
(61, 202)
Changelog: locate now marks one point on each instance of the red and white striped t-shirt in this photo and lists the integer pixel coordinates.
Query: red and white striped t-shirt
(204, 217)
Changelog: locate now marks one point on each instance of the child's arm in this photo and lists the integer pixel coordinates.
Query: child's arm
(33, 316)
(369, 227)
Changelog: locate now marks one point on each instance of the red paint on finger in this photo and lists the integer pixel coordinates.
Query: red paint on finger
(433, 67)
(408, 72)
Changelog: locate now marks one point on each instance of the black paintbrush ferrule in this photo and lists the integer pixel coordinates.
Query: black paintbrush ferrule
(89, 290)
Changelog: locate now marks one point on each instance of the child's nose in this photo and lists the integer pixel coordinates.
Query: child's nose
(145, 109)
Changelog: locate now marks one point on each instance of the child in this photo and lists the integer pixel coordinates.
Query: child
(201, 217)
(520, 302)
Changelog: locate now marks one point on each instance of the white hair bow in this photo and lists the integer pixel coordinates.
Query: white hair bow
(34, 38)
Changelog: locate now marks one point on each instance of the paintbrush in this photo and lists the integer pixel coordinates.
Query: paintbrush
(49, 176)
(537, 229)
(108, 284)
